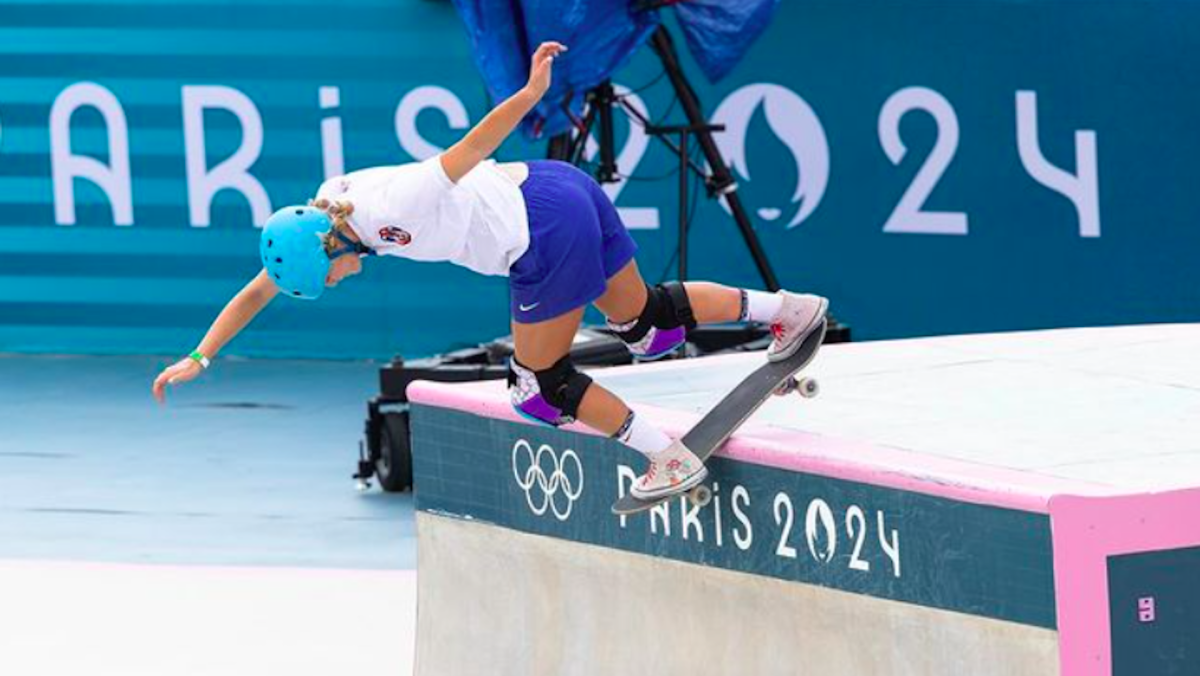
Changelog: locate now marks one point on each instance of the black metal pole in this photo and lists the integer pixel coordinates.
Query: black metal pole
(559, 147)
(579, 144)
(722, 181)
(683, 203)
(605, 96)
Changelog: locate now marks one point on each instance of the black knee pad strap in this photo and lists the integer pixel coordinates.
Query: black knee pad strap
(564, 386)
(561, 385)
(667, 307)
(680, 307)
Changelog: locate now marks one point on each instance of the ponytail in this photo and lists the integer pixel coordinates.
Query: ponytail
(339, 212)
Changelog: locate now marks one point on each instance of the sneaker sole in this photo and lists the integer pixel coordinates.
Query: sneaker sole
(684, 487)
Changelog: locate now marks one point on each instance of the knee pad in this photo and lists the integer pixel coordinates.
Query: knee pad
(663, 325)
(550, 396)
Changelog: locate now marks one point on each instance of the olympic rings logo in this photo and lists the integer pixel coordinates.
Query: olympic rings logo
(551, 482)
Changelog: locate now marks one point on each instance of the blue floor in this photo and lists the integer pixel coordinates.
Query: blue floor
(249, 466)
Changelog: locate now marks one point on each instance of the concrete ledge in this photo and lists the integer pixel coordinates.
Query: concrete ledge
(1030, 501)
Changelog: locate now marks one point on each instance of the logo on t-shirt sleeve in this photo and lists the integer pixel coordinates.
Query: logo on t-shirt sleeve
(395, 235)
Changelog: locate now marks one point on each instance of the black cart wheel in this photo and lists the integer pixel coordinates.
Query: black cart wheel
(393, 467)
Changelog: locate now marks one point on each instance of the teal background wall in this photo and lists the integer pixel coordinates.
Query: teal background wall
(824, 158)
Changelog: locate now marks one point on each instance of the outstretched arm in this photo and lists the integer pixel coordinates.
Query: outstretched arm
(237, 314)
(491, 131)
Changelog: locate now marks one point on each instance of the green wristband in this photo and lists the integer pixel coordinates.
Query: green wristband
(199, 358)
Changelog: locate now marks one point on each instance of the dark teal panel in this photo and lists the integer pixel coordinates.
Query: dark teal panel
(240, 16)
(1154, 606)
(158, 266)
(1117, 68)
(161, 167)
(99, 217)
(968, 558)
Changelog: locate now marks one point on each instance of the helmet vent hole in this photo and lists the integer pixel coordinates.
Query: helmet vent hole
(278, 260)
(277, 276)
(299, 212)
(295, 293)
(270, 243)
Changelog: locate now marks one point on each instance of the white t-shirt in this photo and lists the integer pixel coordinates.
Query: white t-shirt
(416, 211)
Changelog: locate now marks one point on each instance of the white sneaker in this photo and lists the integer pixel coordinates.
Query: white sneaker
(800, 315)
(674, 470)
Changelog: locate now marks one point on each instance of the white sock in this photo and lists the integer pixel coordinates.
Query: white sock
(760, 306)
(641, 435)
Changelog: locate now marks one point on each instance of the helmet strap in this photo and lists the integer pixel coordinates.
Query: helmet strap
(351, 247)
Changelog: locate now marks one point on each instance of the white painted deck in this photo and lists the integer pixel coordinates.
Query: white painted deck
(1112, 406)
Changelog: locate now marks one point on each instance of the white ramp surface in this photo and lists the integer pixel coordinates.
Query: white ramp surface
(1113, 406)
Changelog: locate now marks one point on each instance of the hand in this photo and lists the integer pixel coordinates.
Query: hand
(180, 372)
(543, 60)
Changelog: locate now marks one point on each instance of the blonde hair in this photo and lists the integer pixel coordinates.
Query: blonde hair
(339, 212)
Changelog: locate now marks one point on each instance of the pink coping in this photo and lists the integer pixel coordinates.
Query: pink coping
(812, 453)
(1088, 530)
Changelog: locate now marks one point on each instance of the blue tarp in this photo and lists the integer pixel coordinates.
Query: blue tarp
(719, 32)
(601, 35)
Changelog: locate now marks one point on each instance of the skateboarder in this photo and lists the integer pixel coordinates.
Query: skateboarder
(548, 227)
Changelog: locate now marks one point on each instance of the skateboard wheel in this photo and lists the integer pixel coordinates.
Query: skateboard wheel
(787, 387)
(808, 387)
(700, 496)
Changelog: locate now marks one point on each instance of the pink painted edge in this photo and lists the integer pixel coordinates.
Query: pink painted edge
(1088, 530)
(811, 453)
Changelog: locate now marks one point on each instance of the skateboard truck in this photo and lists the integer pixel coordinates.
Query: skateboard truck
(808, 388)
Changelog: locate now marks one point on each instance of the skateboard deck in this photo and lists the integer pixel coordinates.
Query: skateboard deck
(734, 409)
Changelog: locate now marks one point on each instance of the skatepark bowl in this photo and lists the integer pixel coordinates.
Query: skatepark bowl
(1004, 504)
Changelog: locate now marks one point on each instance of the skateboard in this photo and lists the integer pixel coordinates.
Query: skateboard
(772, 378)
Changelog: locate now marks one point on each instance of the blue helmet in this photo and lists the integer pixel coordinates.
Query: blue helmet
(293, 250)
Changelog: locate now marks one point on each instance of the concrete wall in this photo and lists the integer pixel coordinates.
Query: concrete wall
(493, 600)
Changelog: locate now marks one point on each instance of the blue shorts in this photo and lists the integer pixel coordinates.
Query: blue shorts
(576, 243)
